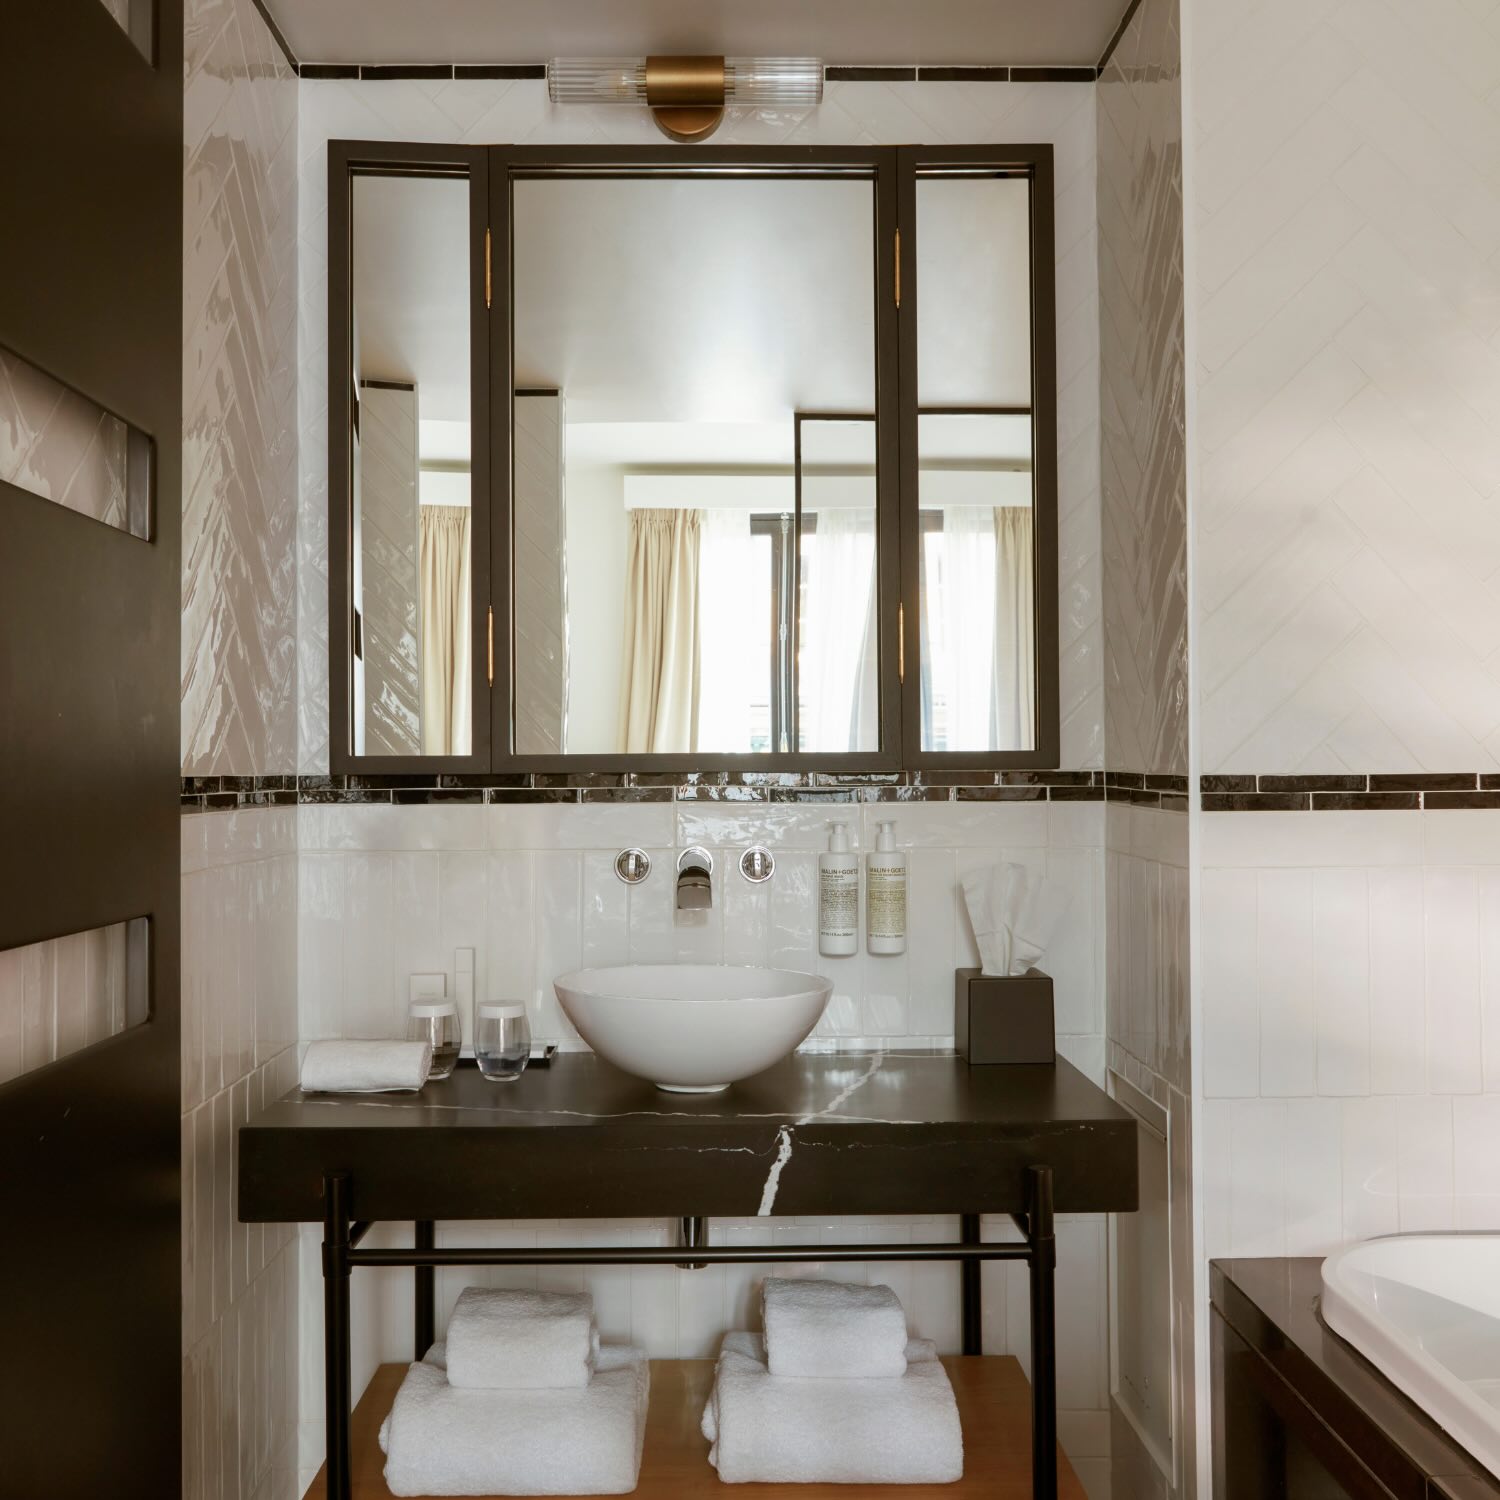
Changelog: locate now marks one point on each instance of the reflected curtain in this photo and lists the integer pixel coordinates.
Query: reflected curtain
(1015, 617)
(446, 710)
(725, 596)
(661, 650)
(837, 688)
(967, 677)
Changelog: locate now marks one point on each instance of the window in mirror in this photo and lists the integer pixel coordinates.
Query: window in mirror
(681, 323)
(975, 476)
(411, 449)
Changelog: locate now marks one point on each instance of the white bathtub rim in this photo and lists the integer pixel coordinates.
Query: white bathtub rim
(1472, 1423)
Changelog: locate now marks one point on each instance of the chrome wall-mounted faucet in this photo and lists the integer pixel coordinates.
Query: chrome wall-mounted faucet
(695, 891)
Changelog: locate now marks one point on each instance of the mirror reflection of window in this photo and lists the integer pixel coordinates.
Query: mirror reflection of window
(975, 483)
(684, 323)
(410, 472)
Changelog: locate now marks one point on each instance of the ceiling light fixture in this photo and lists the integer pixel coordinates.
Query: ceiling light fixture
(687, 95)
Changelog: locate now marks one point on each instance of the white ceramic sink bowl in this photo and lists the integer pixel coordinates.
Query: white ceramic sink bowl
(692, 1028)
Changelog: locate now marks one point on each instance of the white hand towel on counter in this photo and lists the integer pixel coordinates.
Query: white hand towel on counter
(778, 1429)
(832, 1328)
(514, 1339)
(365, 1067)
(582, 1441)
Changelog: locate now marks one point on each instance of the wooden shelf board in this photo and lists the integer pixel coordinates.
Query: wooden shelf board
(994, 1402)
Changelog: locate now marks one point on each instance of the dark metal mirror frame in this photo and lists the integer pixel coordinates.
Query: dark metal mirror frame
(346, 161)
(893, 171)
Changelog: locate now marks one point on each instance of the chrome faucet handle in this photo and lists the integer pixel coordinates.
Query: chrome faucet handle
(757, 864)
(632, 865)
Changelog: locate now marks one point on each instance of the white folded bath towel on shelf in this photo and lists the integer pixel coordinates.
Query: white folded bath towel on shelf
(581, 1441)
(514, 1339)
(779, 1429)
(366, 1067)
(832, 1328)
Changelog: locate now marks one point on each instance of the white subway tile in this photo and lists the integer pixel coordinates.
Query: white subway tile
(1451, 924)
(1288, 1024)
(1398, 1028)
(1370, 1164)
(1341, 980)
(1424, 1130)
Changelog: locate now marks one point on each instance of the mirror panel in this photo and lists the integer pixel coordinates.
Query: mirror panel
(677, 325)
(411, 450)
(976, 490)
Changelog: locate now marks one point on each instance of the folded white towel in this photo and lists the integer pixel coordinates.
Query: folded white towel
(583, 1441)
(365, 1067)
(779, 1429)
(515, 1339)
(832, 1328)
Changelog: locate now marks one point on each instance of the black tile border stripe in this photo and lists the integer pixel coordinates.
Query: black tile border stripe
(1114, 41)
(832, 72)
(276, 36)
(1225, 792)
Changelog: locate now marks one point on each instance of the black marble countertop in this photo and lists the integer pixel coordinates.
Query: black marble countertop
(1272, 1304)
(827, 1133)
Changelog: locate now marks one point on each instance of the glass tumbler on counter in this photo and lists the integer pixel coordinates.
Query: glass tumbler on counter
(502, 1040)
(435, 1021)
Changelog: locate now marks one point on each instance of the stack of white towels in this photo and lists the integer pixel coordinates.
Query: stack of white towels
(522, 1399)
(834, 1393)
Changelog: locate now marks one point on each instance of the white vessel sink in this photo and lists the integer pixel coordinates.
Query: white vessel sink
(692, 1028)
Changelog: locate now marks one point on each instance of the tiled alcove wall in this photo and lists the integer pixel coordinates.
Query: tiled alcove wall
(559, 868)
(239, 906)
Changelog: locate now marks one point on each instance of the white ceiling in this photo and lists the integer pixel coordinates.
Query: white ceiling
(971, 32)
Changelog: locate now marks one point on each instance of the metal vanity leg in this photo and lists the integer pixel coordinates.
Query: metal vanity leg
(972, 1298)
(336, 1330)
(424, 1325)
(1043, 1334)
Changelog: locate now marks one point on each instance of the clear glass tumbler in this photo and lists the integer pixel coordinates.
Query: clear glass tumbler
(502, 1040)
(435, 1021)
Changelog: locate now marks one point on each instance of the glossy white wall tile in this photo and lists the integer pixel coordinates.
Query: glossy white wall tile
(1359, 1018)
(239, 1033)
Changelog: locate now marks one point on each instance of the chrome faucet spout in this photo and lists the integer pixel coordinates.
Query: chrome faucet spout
(695, 891)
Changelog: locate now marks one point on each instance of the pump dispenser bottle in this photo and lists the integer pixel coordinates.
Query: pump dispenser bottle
(838, 896)
(885, 895)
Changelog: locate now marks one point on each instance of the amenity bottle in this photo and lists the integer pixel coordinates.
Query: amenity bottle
(838, 896)
(885, 895)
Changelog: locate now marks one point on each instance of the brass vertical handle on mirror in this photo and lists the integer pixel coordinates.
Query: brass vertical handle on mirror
(901, 642)
(489, 644)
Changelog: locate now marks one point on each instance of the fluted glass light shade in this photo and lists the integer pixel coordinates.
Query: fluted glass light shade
(760, 82)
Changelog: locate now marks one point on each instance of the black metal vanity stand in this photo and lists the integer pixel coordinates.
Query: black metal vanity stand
(824, 1134)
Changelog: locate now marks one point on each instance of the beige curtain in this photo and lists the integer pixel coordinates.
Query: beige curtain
(1015, 617)
(659, 683)
(446, 727)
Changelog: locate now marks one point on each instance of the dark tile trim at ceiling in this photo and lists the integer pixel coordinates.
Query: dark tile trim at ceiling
(1356, 791)
(1120, 31)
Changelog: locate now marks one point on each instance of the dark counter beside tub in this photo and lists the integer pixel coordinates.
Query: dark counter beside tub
(848, 1134)
(820, 1133)
(1295, 1406)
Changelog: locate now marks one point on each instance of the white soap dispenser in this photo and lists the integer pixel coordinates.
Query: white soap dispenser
(885, 894)
(838, 896)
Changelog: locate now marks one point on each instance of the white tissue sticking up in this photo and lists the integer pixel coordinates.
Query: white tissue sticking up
(1014, 914)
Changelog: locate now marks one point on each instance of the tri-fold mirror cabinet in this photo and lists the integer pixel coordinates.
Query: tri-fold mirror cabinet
(691, 459)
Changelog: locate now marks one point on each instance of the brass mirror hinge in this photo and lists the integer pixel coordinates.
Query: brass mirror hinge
(901, 642)
(489, 649)
(898, 267)
(486, 268)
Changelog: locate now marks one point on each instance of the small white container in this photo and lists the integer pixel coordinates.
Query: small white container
(885, 895)
(502, 1040)
(435, 1022)
(838, 896)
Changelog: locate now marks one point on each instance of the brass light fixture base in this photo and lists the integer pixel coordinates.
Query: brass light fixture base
(686, 95)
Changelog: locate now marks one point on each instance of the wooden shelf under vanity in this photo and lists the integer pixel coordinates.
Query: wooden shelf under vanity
(994, 1403)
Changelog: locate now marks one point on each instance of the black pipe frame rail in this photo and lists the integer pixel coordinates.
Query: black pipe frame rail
(341, 1255)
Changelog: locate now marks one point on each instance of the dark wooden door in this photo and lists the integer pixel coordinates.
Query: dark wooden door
(91, 298)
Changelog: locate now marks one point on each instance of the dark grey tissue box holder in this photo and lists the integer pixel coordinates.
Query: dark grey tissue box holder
(1004, 1019)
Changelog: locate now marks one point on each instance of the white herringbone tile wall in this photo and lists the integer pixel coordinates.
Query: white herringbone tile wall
(1346, 207)
(851, 114)
(1144, 525)
(1143, 455)
(239, 380)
